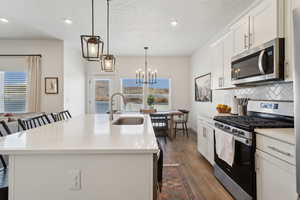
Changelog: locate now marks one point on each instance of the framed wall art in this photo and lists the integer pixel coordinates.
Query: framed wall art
(203, 91)
(51, 85)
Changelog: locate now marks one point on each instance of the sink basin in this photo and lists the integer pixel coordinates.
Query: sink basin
(129, 121)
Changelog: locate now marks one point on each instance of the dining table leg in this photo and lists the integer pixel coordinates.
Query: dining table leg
(171, 127)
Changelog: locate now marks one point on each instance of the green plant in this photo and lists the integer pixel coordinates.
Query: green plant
(150, 100)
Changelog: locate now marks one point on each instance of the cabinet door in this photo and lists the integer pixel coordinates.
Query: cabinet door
(201, 139)
(266, 22)
(296, 3)
(217, 64)
(210, 145)
(241, 35)
(228, 53)
(276, 179)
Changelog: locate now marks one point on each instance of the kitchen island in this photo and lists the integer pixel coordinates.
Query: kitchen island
(86, 157)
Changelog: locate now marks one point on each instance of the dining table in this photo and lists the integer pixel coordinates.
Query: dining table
(171, 115)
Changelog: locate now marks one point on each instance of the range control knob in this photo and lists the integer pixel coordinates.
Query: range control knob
(241, 133)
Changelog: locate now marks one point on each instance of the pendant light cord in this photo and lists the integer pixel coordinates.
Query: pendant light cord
(146, 64)
(107, 27)
(93, 18)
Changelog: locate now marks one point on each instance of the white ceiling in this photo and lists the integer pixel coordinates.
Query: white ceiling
(134, 23)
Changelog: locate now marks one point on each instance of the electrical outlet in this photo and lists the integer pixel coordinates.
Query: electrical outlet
(74, 179)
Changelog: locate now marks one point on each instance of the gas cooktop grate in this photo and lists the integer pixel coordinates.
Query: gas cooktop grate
(249, 123)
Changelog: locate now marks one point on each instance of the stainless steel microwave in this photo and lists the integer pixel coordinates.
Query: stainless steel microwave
(265, 63)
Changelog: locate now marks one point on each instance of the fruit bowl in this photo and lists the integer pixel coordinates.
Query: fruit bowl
(221, 108)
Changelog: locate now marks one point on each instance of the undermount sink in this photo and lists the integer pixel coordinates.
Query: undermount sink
(129, 121)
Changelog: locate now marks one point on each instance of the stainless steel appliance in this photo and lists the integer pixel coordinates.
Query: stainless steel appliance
(265, 63)
(297, 90)
(240, 178)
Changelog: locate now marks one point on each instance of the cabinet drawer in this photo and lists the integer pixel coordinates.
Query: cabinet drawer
(281, 150)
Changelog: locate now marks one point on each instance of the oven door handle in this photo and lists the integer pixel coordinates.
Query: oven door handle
(260, 62)
(243, 140)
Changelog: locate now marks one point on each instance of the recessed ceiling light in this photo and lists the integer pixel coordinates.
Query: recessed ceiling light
(3, 20)
(174, 23)
(68, 21)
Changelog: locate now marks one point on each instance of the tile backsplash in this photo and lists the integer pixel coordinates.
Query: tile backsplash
(277, 91)
(274, 91)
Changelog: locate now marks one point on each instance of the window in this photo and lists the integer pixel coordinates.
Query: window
(133, 93)
(13, 92)
(161, 93)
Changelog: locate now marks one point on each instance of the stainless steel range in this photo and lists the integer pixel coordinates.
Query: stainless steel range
(240, 178)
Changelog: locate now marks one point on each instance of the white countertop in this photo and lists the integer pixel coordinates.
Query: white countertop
(283, 134)
(83, 134)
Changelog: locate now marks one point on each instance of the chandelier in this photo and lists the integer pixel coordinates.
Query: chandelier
(148, 76)
(108, 61)
(91, 45)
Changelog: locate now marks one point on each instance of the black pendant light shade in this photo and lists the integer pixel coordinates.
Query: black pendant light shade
(108, 61)
(92, 45)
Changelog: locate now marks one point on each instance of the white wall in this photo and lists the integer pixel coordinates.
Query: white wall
(176, 68)
(52, 65)
(74, 81)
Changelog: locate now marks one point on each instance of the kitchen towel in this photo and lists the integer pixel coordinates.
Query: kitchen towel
(225, 146)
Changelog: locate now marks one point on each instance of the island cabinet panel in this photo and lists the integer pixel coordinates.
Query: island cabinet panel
(102, 176)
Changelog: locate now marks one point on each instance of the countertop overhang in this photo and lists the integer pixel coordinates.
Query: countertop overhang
(86, 134)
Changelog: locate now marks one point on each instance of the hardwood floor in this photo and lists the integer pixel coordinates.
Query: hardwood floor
(196, 168)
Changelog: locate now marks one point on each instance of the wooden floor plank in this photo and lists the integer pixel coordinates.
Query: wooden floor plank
(196, 169)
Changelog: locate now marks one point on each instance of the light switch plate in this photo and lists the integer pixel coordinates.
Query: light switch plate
(74, 179)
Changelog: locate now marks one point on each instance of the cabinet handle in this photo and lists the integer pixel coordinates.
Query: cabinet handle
(245, 41)
(250, 39)
(221, 82)
(256, 162)
(280, 151)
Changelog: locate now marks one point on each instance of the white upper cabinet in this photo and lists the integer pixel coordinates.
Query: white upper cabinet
(222, 52)
(262, 24)
(241, 35)
(266, 22)
(297, 3)
(217, 61)
(228, 53)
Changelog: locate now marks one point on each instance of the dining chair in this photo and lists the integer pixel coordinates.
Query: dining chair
(34, 122)
(160, 125)
(4, 169)
(182, 120)
(63, 115)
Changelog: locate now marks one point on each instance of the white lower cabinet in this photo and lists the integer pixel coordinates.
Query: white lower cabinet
(275, 177)
(205, 134)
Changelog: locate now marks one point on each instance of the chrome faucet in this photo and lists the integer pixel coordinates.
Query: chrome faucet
(111, 113)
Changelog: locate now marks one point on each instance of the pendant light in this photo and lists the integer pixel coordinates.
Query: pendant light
(108, 61)
(148, 76)
(92, 45)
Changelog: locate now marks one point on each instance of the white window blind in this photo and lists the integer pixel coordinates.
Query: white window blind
(13, 92)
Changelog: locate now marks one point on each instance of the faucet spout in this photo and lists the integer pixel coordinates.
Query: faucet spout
(111, 114)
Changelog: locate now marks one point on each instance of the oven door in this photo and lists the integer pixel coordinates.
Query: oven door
(243, 169)
(261, 64)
